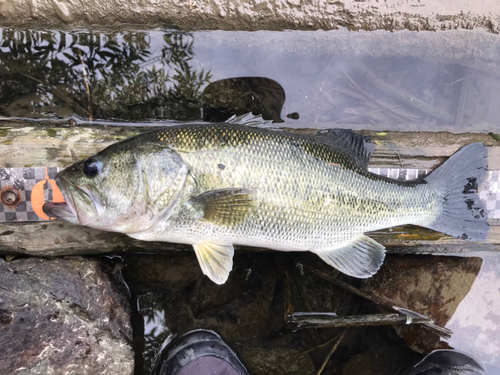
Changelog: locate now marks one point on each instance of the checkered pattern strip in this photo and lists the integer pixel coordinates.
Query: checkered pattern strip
(24, 179)
(491, 194)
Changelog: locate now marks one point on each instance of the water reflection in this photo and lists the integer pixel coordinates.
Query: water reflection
(156, 333)
(237, 96)
(162, 75)
(99, 75)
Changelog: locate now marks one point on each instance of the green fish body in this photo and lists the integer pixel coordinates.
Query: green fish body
(219, 185)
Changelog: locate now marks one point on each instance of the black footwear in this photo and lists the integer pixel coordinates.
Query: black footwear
(199, 352)
(447, 362)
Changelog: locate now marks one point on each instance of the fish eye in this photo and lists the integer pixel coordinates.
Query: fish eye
(91, 167)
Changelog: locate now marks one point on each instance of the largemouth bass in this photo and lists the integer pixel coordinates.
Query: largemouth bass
(219, 185)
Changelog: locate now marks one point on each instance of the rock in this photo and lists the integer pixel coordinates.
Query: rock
(276, 361)
(172, 271)
(174, 287)
(242, 306)
(63, 316)
(380, 354)
(432, 286)
(238, 96)
(173, 297)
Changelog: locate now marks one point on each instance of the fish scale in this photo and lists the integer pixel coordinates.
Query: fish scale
(219, 185)
(289, 179)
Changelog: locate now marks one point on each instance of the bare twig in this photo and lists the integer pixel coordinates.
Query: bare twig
(89, 96)
(376, 299)
(381, 104)
(372, 115)
(317, 347)
(383, 302)
(300, 288)
(321, 90)
(462, 101)
(460, 79)
(61, 95)
(413, 316)
(403, 97)
(330, 320)
(331, 352)
(287, 292)
(399, 158)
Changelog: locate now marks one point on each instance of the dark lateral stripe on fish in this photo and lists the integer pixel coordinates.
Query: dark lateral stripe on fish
(25, 212)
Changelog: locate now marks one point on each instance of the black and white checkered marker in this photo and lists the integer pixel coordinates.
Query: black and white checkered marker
(34, 186)
(38, 183)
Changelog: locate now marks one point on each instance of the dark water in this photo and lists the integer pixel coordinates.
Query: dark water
(297, 79)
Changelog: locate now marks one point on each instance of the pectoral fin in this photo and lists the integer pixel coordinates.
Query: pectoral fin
(360, 258)
(216, 260)
(227, 207)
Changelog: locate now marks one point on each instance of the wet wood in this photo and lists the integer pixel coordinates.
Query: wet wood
(385, 304)
(327, 320)
(57, 238)
(58, 144)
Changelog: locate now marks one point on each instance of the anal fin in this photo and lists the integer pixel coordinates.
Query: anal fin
(216, 260)
(360, 258)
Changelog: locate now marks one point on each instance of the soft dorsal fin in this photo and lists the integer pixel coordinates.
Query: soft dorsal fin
(357, 145)
(216, 260)
(360, 258)
(227, 207)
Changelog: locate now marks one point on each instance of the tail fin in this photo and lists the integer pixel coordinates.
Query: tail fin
(464, 215)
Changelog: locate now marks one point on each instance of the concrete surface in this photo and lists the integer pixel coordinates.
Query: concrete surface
(255, 14)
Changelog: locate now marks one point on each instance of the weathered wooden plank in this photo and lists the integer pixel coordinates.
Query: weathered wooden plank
(56, 238)
(56, 145)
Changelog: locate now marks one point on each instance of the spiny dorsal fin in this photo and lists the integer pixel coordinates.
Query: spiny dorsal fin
(227, 207)
(357, 145)
(249, 119)
(360, 258)
(216, 260)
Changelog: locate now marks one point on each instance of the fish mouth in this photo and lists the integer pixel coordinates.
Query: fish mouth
(62, 210)
(67, 210)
